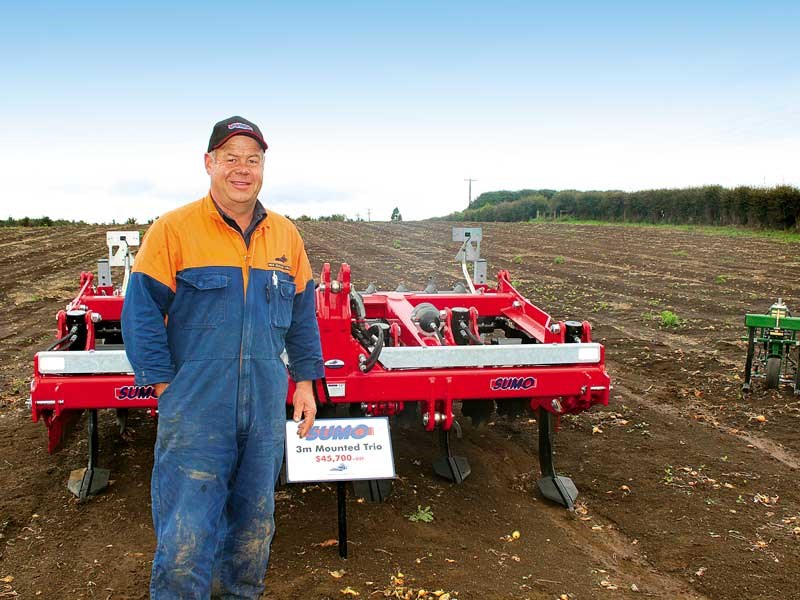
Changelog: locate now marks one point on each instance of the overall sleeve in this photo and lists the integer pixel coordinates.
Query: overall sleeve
(150, 292)
(302, 339)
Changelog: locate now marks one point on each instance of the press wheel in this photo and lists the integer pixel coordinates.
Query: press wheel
(773, 372)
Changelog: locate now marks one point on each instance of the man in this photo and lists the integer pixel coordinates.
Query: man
(219, 288)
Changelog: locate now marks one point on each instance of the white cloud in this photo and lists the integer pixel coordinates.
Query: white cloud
(424, 177)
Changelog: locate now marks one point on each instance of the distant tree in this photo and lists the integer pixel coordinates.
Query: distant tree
(130, 221)
(396, 216)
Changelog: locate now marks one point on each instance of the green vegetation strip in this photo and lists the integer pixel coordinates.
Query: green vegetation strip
(778, 236)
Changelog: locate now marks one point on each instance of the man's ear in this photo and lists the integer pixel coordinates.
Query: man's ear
(209, 160)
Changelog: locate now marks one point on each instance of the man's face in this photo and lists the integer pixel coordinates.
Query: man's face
(237, 172)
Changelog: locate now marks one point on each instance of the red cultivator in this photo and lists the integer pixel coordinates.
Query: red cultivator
(395, 353)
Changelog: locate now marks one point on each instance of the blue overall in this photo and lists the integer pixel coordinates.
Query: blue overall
(230, 310)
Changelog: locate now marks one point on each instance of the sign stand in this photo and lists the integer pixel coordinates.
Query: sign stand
(340, 450)
(341, 500)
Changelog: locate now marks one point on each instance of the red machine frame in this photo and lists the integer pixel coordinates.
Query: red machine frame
(358, 371)
(576, 388)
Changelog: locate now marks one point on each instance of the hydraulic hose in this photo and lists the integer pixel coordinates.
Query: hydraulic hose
(372, 359)
(359, 313)
(70, 336)
(468, 332)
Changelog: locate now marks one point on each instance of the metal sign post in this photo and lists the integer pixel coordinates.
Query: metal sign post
(341, 503)
(340, 450)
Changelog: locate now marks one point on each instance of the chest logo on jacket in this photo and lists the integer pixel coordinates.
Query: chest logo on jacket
(281, 262)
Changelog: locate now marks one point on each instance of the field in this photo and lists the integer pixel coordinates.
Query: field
(688, 489)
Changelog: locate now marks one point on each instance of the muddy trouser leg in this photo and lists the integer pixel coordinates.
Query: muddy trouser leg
(191, 471)
(249, 520)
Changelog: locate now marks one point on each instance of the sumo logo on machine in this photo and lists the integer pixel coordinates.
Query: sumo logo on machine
(136, 392)
(339, 432)
(512, 383)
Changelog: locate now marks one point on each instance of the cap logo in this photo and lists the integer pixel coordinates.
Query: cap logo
(240, 126)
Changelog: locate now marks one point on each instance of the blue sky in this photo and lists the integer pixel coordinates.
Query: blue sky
(107, 109)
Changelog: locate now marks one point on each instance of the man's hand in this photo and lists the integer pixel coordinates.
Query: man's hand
(160, 387)
(304, 406)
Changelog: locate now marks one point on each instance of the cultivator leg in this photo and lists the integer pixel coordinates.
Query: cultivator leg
(452, 468)
(554, 487)
(480, 411)
(748, 365)
(797, 376)
(92, 480)
(373, 490)
(122, 420)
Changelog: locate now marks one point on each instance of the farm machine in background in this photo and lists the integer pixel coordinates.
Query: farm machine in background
(772, 348)
(414, 355)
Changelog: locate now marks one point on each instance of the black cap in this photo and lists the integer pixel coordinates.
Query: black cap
(225, 130)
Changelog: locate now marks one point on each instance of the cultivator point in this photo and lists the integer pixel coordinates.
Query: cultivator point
(416, 356)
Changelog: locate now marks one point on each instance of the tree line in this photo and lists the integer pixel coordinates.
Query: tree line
(767, 208)
(33, 222)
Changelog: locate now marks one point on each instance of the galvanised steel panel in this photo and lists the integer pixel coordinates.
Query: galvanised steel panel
(436, 357)
(83, 362)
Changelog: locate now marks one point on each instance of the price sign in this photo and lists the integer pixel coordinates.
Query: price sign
(340, 450)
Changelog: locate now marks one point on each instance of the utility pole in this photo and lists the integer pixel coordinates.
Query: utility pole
(469, 200)
(369, 215)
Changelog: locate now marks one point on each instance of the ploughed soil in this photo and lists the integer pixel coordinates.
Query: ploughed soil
(688, 489)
